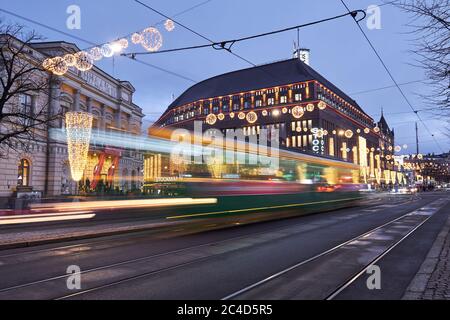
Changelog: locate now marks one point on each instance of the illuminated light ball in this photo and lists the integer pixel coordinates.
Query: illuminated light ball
(84, 61)
(265, 113)
(388, 157)
(305, 129)
(376, 129)
(285, 110)
(70, 60)
(124, 43)
(107, 50)
(59, 67)
(152, 39)
(211, 119)
(47, 64)
(366, 130)
(96, 53)
(390, 148)
(241, 116)
(325, 132)
(334, 132)
(348, 150)
(405, 146)
(367, 150)
(358, 131)
(310, 107)
(372, 149)
(322, 105)
(341, 132)
(116, 47)
(275, 113)
(319, 134)
(298, 112)
(136, 38)
(349, 134)
(398, 149)
(420, 156)
(232, 115)
(299, 129)
(252, 117)
(169, 25)
(221, 116)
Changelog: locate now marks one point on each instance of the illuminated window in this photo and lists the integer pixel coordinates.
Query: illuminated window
(331, 147)
(283, 99)
(298, 97)
(258, 103)
(271, 101)
(23, 177)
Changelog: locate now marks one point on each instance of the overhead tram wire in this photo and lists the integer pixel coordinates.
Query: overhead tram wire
(392, 77)
(94, 44)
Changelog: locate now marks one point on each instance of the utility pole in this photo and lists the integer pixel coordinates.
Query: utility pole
(417, 139)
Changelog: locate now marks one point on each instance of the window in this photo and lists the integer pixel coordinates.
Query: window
(283, 99)
(247, 104)
(236, 107)
(298, 97)
(271, 101)
(23, 176)
(26, 108)
(258, 103)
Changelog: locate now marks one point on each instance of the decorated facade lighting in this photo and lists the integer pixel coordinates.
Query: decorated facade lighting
(322, 105)
(211, 119)
(59, 66)
(107, 50)
(398, 149)
(285, 110)
(252, 117)
(276, 113)
(298, 112)
(169, 25)
(349, 134)
(47, 64)
(78, 128)
(265, 113)
(70, 60)
(310, 107)
(136, 38)
(152, 39)
(221, 116)
(376, 129)
(358, 131)
(241, 116)
(96, 54)
(232, 115)
(366, 130)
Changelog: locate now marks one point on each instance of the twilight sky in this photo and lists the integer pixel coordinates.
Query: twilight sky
(338, 49)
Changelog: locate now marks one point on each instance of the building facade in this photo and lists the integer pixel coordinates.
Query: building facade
(311, 114)
(44, 168)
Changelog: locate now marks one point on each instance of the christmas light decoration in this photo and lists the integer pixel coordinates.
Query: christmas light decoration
(124, 43)
(107, 50)
(252, 117)
(78, 128)
(232, 115)
(298, 112)
(136, 38)
(116, 47)
(169, 25)
(285, 110)
(276, 113)
(211, 119)
(349, 134)
(70, 60)
(322, 105)
(59, 66)
(152, 39)
(310, 107)
(83, 61)
(405, 146)
(241, 116)
(366, 130)
(376, 129)
(96, 53)
(358, 131)
(47, 64)
(221, 116)
(265, 113)
(398, 149)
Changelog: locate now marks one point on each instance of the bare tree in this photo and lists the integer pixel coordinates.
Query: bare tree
(24, 91)
(430, 20)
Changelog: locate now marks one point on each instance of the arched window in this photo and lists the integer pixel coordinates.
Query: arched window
(23, 177)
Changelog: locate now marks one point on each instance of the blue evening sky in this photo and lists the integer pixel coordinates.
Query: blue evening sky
(338, 49)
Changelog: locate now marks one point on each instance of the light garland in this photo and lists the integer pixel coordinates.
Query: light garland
(59, 66)
(107, 50)
(83, 61)
(169, 25)
(221, 116)
(252, 117)
(322, 105)
(152, 39)
(265, 113)
(211, 119)
(310, 107)
(96, 54)
(241, 116)
(78, 128)
(298, 112)
(349, 134)
(70, 60)
(136, 38)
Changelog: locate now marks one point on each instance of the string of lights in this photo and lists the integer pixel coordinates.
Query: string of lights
(392, 78)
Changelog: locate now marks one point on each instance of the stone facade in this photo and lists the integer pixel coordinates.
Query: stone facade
(109, 100)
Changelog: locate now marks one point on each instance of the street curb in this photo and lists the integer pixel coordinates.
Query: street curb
(418, 285)
(87, 235)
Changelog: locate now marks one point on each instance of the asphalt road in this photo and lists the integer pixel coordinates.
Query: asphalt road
(220, 263)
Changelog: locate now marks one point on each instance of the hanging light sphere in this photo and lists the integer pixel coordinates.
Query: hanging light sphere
(232, 115)
(152, 39)
(276, 113)
(211, 119)
(169, 25)
(78, 128)
(59, 66)
(349, 134)
(310, 107)
(47, 64)
(107, 50)
(298, 112)
(124, 43)
(70, 60)
(398, 149)
(136, 38)
(96, 54)
(366, 130)
(83, 61)
(285, 110)
(241, 116)
(322, 105)
(221, 116)
(252, 117)
(376, 129)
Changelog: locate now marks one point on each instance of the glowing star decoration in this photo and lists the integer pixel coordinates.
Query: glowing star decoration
(232, 115)
(59, 66)
(349, 134)
(376, 129)
(366, 130)
(285, 110)
(152, 39)
(70, 60)
(252, 117)
(47, 64)
(241, 116)
(211, 119)
(298, 112)
(169, 25)
(78, 128)
(221, 116)
(358, 131)
(265, 113)
(322, 105)
(136, 38)
(83, 61)
(310, 107)
(96, 54)
(107, 50)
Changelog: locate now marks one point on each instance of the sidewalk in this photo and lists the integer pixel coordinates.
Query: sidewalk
(432, 282)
